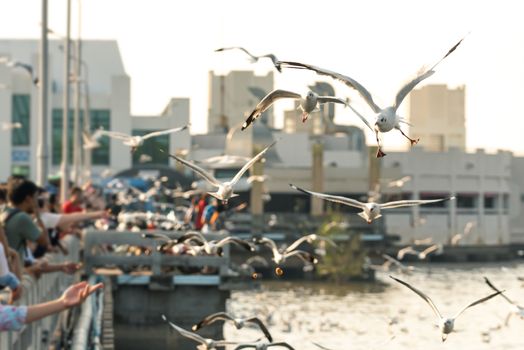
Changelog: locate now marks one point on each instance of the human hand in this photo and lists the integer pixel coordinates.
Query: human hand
(16, 293)
(77, 293)
(70, 267)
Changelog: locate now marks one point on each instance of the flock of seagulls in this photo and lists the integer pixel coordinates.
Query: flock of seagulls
(385, 119)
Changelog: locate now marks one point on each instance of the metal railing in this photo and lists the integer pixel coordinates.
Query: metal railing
(96, 253)
(36, 335)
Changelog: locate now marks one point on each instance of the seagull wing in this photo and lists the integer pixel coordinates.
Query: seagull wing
(331, 99)
(361, 117)
(204, 174)
(271, 244)
(429, 250)
(238, 48)
(250, 164)
(164, 132)
(488, 282)
(298, 242)
(115, 135)
(352, 83)
(185, 333)
(237, 241)
(480, 301)
(219, 316)
(422, 295)
(282, 344)
(321, 346)
(448, 53)
(275, 61)
(246, 346)
(262, 326)
(410, 203)
(336, 199)
(266, 102)
(406, 89)
(306, 257)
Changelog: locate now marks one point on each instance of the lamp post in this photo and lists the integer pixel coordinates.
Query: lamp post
(42, 153)
(65, 116)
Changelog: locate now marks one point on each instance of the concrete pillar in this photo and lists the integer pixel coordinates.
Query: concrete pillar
(257, 204)
(482, 239)
(454, 161)
(317, 177)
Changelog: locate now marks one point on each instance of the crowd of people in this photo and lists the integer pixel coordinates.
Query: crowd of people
(32, 224)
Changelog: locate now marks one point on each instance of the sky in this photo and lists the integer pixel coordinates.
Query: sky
(168, 49)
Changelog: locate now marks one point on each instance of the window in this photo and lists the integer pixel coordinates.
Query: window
(21, 114)
(99, 118)
(151, 148)
(20, 170)
(489, 201)
(466, 201)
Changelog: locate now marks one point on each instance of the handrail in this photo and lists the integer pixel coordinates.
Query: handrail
(35, 336)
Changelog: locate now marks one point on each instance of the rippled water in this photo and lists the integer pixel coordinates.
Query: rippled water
(367, 316)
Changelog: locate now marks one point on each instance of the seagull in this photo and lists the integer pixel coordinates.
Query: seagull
(17, 64)
(10, 126)
(515, 308)
(209, 247)
(467, 230)
(257, 178)
(91, 140)
(389, 261)
(263, 346)
(281, 255)
(386, 119)
(308, 104)
(206, 343)
(400, 182)
(254, 58)
(239, 322)
(225, 159)
(421, 255)
(371, 210)
(225, 189)
(445, 324)
(136, 141)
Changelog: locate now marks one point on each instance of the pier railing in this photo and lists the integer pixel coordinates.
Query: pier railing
(97, 253)
(37, 335)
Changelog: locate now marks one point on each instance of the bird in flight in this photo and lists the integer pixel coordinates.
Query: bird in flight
(386, 119)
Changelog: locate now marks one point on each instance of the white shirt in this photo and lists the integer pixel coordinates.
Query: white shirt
(50, 220)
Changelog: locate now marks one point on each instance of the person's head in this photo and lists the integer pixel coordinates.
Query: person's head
(22, 194)
(3, 194)
(76, 195)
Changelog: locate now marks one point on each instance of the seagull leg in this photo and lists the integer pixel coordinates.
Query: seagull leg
(413, 142)
(305, 115)
(380, 154)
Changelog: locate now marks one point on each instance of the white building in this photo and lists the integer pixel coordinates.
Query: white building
(109, 105)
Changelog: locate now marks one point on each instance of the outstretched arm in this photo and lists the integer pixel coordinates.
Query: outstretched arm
(73, 296)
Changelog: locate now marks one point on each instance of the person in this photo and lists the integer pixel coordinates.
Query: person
(13, 318)
(199, 211)
(74, 204)
(19, 226)
(7, 278)
(209, 216)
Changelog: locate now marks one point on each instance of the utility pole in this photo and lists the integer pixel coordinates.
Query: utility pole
(76, 119)
(42, 153)
(64, 186)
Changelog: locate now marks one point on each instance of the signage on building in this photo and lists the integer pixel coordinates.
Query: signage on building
(20, 156)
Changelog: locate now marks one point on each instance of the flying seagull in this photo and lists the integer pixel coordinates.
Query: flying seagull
(421, 255)
(205, 343)
(370, 211)
(91, 140)
(445, 324)
(4, 126)
(386, 119)
(17, 64)
(136, 141)
(308, 104)
(225, 189)
(238, 322)
(515, 308)
(254, 58)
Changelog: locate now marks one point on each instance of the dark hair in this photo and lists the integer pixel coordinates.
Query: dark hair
(18, 190)
(76, 191)
(3, 194)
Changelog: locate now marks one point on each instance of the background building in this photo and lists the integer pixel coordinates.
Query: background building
(437, 114)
